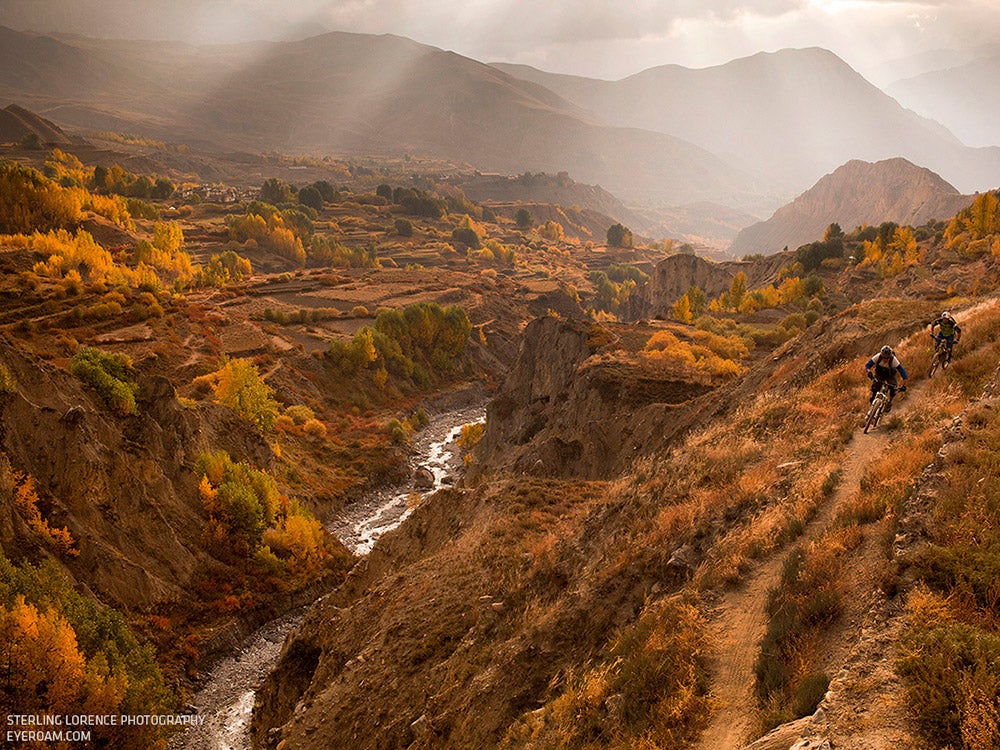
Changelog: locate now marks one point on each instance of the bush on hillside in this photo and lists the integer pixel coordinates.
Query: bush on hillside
(110, 375)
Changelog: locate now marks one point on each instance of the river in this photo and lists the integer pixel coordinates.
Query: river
(227, 697)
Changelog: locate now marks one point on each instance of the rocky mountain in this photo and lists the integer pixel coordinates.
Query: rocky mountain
(966, 98)
(792, 115)
(853, 195)
(351, 94)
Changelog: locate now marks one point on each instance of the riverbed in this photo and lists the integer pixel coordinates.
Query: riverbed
(226, 700)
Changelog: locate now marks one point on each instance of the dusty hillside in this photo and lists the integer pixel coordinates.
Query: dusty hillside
(17, 123)
(564, 612)
(190, 383)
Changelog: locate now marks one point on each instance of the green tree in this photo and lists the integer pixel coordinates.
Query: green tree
(697, 299)
(275, 191)
(326, 190)
(163, 189)
(31, 141)
(384, 191)
(523, 219)
(619, 236)
(310, 196)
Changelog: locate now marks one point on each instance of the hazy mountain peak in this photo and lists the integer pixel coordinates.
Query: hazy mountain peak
(855, 194)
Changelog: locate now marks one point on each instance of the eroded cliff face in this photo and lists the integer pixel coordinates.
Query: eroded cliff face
(676, 274)
(121, 485)
(570, 408)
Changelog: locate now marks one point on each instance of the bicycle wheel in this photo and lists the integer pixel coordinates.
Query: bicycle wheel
(874, 412)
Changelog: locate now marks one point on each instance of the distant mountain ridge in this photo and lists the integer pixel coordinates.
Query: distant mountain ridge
(794, 115)
(966, 98)
(353, 94)
(855, 194)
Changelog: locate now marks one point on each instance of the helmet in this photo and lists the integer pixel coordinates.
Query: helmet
(946, 315)
(886, 351)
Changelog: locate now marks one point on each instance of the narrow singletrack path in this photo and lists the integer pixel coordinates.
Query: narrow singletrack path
(738, 622)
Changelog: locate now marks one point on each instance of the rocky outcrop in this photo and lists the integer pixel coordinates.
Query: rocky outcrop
(676, 274)
(567, 410)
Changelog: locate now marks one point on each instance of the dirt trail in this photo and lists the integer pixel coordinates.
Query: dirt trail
(738, 621)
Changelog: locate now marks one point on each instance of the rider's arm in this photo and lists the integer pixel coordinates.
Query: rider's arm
(902, 371)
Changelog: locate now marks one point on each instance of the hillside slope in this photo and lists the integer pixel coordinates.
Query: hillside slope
(17, 123)
(542, 603)
(856, 194)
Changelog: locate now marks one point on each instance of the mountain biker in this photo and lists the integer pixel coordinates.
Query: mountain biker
(882, 368)
(948, 331)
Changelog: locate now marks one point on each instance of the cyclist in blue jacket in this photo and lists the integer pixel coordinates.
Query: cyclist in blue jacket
(882, 368)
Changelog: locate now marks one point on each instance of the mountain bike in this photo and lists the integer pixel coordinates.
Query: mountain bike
(879, 404)
(941, 357)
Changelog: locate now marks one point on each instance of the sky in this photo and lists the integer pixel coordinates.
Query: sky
(608, 39)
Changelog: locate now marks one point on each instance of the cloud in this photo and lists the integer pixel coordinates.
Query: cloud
(528, 22)
(601, 38)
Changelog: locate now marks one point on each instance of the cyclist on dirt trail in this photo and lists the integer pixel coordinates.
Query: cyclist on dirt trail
(882, 368)
(948, 331)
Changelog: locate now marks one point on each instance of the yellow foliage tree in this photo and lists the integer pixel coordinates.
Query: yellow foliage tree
(682, 309)
(240, 387)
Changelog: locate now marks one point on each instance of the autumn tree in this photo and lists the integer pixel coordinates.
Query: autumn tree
(30, 202)
(552, 231)
(240, 387)
(682, 309)
(737, 289)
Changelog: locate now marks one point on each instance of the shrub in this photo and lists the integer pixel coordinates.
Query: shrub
(110, 375)
(300, 414)
(314, 428)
